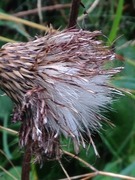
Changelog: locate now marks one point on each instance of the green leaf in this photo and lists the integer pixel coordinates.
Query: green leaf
(13, 173)
(16, 26)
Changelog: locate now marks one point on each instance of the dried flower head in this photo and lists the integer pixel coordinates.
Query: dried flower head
(59, 86)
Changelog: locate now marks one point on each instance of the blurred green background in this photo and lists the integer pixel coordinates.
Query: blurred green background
(116, 146)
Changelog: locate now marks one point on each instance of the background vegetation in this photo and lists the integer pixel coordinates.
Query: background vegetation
(116, 145)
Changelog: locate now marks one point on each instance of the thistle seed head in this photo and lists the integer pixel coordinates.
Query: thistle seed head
(59, 88)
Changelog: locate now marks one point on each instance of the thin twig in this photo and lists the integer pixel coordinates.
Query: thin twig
(5, 39)
(93, 174)
(81, 160)
(39, 5)
(74, 13)
(97, 172)
(8, 130)
(46, 8)
(4, 16)
(64, 170)
(92, 7)
(10, 162)
(90, 176)
(115, 175)
(9, 174)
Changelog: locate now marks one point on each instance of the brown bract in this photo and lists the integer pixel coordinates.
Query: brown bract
(59, 88)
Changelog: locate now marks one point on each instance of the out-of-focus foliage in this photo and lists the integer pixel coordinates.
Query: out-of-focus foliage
(116, 145)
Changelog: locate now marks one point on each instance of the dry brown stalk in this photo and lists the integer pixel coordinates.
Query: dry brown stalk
(46, 8)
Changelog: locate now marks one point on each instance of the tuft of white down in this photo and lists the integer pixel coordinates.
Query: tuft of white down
(75, 83)
(74, 103)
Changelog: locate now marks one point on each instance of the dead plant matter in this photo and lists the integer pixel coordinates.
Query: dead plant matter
(59, 87)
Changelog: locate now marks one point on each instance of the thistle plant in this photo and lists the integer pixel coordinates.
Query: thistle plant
(59, 87)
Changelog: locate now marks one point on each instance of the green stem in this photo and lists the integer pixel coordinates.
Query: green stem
(116, 21)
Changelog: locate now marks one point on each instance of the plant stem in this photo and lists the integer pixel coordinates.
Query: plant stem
(26, 163)
(74, 13)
